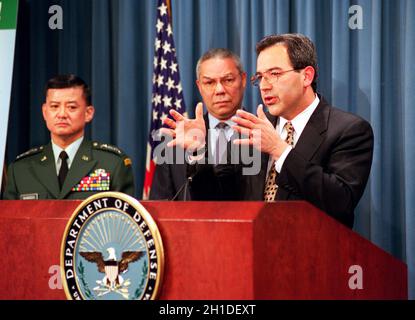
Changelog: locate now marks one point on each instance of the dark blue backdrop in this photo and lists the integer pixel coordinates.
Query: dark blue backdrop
(110, 44)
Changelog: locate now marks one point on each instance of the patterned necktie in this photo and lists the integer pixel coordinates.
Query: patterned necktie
(63, 171)
(271, 185)
(221, 142)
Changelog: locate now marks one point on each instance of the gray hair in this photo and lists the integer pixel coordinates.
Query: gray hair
(221, 53)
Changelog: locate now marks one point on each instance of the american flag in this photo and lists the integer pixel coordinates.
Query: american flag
(167, 88)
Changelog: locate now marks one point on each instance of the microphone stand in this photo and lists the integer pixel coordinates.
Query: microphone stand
(184, 186)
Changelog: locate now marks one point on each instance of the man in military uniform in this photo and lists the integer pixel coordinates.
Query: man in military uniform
(69, 167)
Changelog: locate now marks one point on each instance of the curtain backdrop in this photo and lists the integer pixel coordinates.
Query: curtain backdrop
(109, 43)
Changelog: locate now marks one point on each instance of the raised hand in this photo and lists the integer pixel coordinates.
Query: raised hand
(259, 132)
(189, 134)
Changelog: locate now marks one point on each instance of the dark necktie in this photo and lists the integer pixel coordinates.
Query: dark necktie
(221, 142)
(271, 184)
(63, 171)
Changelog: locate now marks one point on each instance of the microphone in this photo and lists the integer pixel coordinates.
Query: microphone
(184, 186)
(189, 179)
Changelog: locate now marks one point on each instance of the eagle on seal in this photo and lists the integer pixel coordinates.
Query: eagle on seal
(111, 267)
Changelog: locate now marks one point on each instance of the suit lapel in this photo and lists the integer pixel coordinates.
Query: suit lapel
(81, 166)
(45, 170)
(312, 135)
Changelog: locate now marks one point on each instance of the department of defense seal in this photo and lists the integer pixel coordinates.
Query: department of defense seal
(111, 250)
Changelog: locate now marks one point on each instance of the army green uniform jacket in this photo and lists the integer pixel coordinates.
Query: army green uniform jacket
(96, 167)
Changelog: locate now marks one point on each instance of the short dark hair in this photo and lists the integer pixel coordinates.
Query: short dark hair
(301, 50)
(221, 53)
(63, 81)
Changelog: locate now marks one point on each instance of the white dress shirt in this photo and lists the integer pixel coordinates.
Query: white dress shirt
(70, 150)
(299, 123)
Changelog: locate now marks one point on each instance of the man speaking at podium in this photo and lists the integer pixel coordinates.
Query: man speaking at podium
(314, 152)
(309, 150)
(69, 167)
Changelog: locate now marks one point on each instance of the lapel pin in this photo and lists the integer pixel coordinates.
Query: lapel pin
(44, 158)
(85, 158)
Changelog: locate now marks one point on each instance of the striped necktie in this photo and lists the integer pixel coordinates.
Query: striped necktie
(271, 187)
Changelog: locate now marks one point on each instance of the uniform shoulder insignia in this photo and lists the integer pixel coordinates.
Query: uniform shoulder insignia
(127, 162)
(29, 153)
(107, 147)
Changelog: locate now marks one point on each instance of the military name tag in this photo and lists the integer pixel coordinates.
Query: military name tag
(29, 196)
(111, 250)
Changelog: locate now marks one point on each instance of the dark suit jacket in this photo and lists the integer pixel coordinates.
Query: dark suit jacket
(34, 172)
(329, 166)
(170, 181)
(177, 180)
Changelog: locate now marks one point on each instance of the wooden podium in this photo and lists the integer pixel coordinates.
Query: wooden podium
(214, 250)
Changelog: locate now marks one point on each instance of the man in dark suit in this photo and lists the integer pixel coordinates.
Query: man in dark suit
(309, 149)
(221, 81)
(312, 151)
(69, 167)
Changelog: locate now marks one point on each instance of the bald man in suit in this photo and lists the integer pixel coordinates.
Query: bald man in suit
(221, 81)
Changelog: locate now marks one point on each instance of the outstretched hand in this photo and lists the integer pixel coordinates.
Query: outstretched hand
(259, 132)
(189, 134)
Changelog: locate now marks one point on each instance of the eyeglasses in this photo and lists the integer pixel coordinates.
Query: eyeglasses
(211, 84)
(271, 75)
